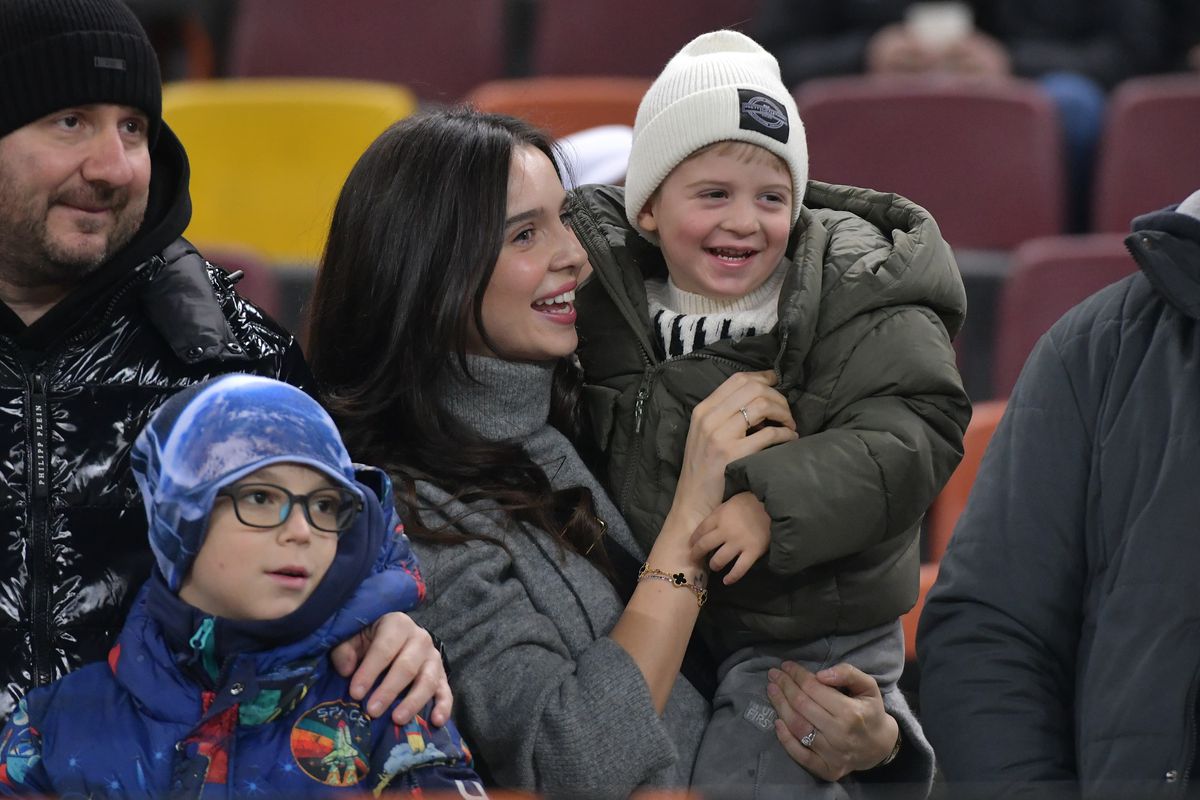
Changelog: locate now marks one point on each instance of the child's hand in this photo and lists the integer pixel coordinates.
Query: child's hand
(740, 529)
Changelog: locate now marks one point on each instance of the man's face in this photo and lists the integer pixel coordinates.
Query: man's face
(73, 191)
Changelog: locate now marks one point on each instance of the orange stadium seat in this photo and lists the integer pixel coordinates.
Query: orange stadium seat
(562, 105)
(1149, 154)
(929, 573)
(950, 502)
(948, 506)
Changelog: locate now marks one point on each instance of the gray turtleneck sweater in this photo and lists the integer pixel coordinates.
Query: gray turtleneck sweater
(545, 698)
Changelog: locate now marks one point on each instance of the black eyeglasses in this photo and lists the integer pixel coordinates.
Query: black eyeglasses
(265, 505)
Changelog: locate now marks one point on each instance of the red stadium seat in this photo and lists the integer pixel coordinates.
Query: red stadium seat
(985, 158)
(1048, 277)
(1150, 153)
(625, 37)
(259, 283)
(438, 49)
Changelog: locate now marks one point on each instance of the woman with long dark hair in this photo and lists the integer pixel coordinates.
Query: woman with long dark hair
(441, 331)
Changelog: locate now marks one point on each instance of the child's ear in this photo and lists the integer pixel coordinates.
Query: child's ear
(645, 217)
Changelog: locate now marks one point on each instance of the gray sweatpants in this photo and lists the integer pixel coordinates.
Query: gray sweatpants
(740, 756)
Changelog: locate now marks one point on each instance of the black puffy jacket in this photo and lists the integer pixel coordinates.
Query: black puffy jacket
(76, 386)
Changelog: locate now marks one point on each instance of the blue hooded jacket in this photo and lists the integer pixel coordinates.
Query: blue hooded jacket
(192, 705)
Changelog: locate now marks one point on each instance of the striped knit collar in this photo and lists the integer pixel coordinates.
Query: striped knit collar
(684, 322)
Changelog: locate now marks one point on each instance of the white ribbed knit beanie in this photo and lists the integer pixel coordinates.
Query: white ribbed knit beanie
(721, 86)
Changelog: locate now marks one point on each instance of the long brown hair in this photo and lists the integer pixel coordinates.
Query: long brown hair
(415, 236)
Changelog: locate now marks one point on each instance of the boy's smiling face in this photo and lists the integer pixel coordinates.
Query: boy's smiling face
(723, 217)
(248, 573)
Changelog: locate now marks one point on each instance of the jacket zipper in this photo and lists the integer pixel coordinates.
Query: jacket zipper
(1191, 751)
(41, 562)
(40, 565)
(639, 408)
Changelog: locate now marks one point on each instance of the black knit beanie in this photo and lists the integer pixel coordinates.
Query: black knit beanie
(55, 54)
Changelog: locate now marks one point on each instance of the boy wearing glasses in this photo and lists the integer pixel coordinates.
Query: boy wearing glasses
(271, 548)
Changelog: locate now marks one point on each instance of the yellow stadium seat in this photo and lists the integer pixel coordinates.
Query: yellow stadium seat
(269, 156)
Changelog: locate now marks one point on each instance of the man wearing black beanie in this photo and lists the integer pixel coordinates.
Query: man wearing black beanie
(106, 312)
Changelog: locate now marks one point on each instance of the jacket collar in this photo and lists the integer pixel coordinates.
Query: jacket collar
(181, 303)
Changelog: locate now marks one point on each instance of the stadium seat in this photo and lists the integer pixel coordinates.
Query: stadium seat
(947, 507)
(1048, 277)
(985, 158)
(1149, 153)
(949, 504)
(438, 49)
(270, 156)
(563, 105)
(594, 38)
(908, 621)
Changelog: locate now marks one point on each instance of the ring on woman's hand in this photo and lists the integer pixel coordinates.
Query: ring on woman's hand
(745, 416)
(809, 738)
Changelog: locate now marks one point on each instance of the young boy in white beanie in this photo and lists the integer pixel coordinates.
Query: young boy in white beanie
(708, 264)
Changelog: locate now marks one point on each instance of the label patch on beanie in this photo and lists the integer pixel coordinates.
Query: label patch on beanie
(104, 62)
(762, 114)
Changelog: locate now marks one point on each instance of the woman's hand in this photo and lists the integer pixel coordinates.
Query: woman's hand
(843, 705)
(725, 426)
(406, 650)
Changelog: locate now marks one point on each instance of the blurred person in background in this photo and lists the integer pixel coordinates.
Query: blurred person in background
(1076, 50)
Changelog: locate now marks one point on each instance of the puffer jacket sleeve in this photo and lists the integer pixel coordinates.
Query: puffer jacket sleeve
(418, 756)
(1000, 629)
(553, 722)
(22, 772)
(893, 411)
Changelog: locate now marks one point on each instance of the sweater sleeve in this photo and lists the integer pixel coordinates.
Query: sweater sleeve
(537, 717)
(892, 436)
(1000, 629)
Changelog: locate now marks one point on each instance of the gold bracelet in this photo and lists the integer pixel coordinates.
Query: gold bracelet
(675, 579)
(895, 748)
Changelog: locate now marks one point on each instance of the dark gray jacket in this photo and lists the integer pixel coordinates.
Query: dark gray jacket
(1062, 640)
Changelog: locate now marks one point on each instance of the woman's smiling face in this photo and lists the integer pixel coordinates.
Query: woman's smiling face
(528, 306)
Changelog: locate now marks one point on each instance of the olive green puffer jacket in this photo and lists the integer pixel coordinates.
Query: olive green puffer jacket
(862, 350)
